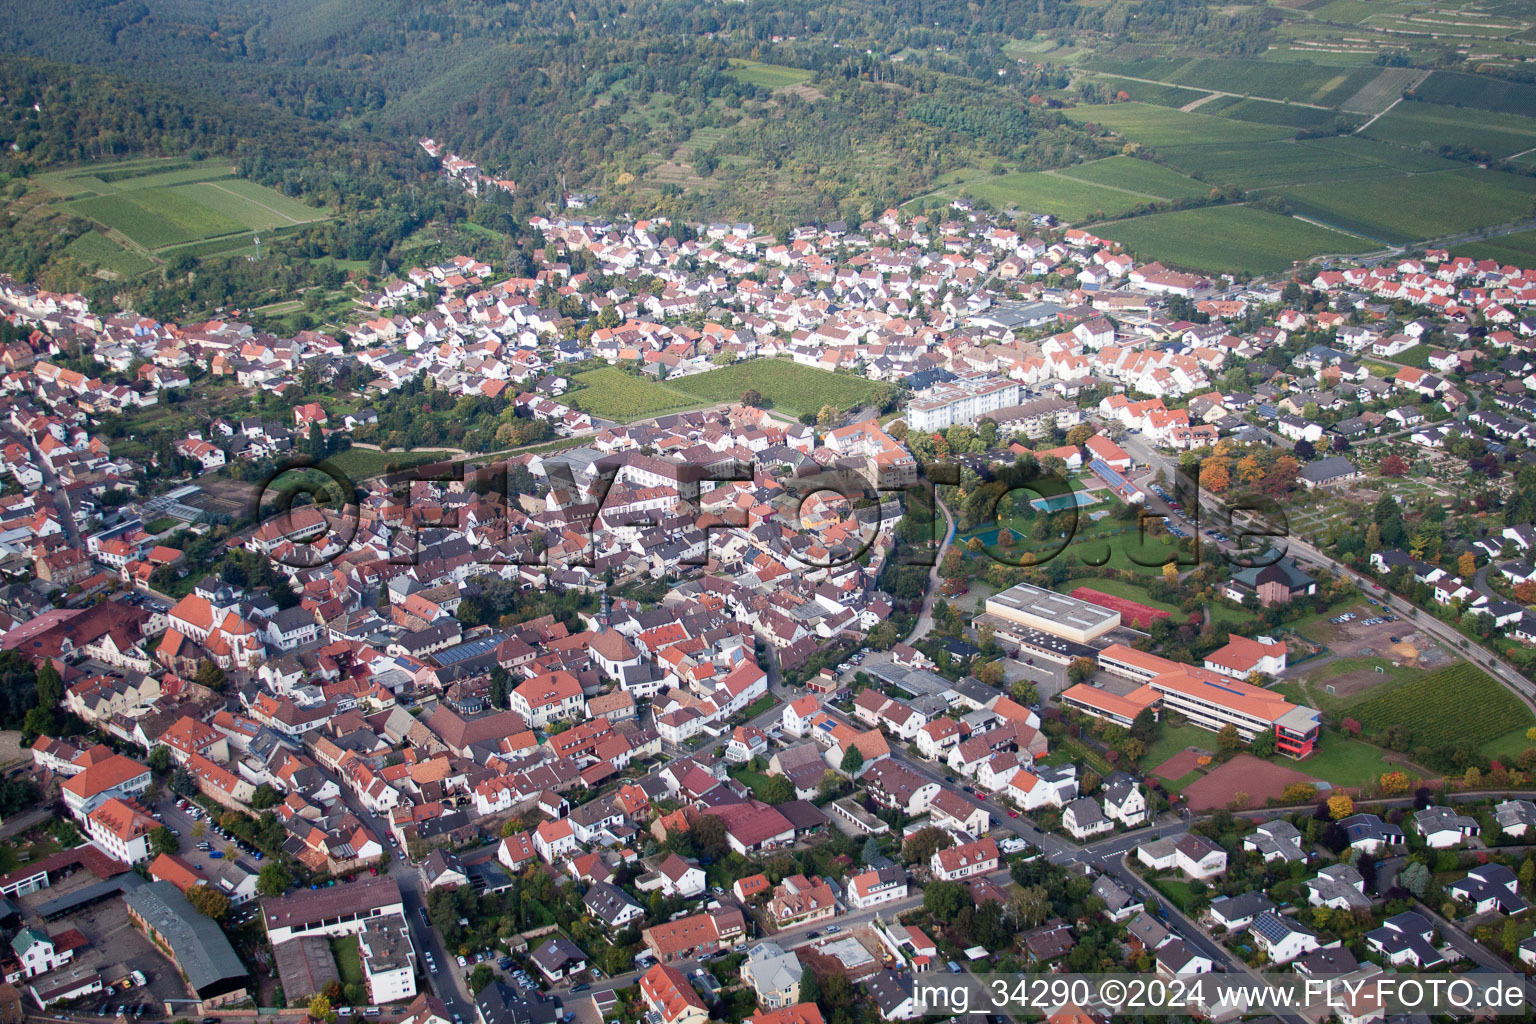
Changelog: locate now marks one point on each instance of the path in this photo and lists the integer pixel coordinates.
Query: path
(254, 202)
(1191, 107)
(1113, 188)
(1217, 92)
(925, 617)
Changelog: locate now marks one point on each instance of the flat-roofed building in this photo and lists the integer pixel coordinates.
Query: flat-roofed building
(1056, 614)
(338, 910)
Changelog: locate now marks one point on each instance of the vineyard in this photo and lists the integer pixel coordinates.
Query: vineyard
(1454, 707)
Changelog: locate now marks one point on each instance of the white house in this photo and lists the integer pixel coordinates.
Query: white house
(1124, 801)
(1442, 828)
(1281, 938)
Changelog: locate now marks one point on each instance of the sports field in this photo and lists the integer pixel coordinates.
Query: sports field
(1229, 238)
(786, 386)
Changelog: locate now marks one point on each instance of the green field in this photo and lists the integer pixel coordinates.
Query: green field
(1265, 112)
(1455, 705)
(95, 249)
(1342, 761)
(1163, 127)
(1118, 588)
(1148, 92)
(1300, 83)
(1432, 125)
(1042, 192)
(157, 204)
(362, 463)
(1141, 176)
(1518, 248)
(1228, 238)
(156, 217)
(769, 76)
(787, 387)
(613, 394)
(1478, 91)
(1418, 206)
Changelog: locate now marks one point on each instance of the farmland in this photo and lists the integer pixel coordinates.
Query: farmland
(1162, 127)
(1478, 91)
(1518, 248)
(1431, 125)
(615, 395)
(769, 76)
(1418, 206)
(1223, 238)
(1141, 176)
(1048, 192)
(1453, 706)
(787, 387)
(148, 206)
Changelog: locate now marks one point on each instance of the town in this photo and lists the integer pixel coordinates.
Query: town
(715, 625)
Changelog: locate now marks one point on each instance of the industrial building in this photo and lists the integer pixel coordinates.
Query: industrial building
(1058, 615)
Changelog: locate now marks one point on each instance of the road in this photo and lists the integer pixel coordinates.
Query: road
(59, 495)
(925, 617)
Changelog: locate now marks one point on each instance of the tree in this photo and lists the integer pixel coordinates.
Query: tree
(481, 977)
(501, 687)
(1214, 476)
(1340, 806)
(209, 901)
(1393, 783)
(752, 397)
(853, 760)
(1527, 874)
(50, 687)
(1081, 670)
(1467, 565)
(708, 835)
(1079, 434)
(182, 782)
(1228, 739)
(1263, 744)
(1393, 465)
(1032, 903)
(1170, 572)
(273, 880)
(265, 796)
(1415, 878)
(1298, 793)
(922, 844)
(777, 790)
(159, 760)
(162, 841)
(210, 675)
(944, 900)
(1305, 450)
(320, 1009)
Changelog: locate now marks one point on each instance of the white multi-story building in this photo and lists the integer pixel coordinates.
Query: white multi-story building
(121, 831)
(962, 400)
(388, 960)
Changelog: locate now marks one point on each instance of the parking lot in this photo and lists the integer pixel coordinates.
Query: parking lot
(115, 950)
(198, 831)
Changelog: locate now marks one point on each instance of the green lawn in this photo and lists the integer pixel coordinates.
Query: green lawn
(348, 962)
(363, 463)
(755, 781)
(1507, 747)
(1161, 127)
(1341, 761)
(614, 394)
(1173, 738)
(786, 386)
(1117, 588)
(1228, 238)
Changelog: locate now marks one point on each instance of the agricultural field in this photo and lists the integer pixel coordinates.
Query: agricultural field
(1518, 248)
(1299, 83)
(94, 249)
(1418, 206)
(1228, 238)
(769, 76)
(787, 387)
(615, 395)
(1151, 92)
(1140, 176)
(1265, 112)
(1478, 91)
(1163, 127)
(1432, 125)
(147, 206)
(1048, 192)
(1453, 706)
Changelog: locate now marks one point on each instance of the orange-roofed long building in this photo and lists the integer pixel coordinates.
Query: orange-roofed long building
(1207, 698)
(667, 993)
